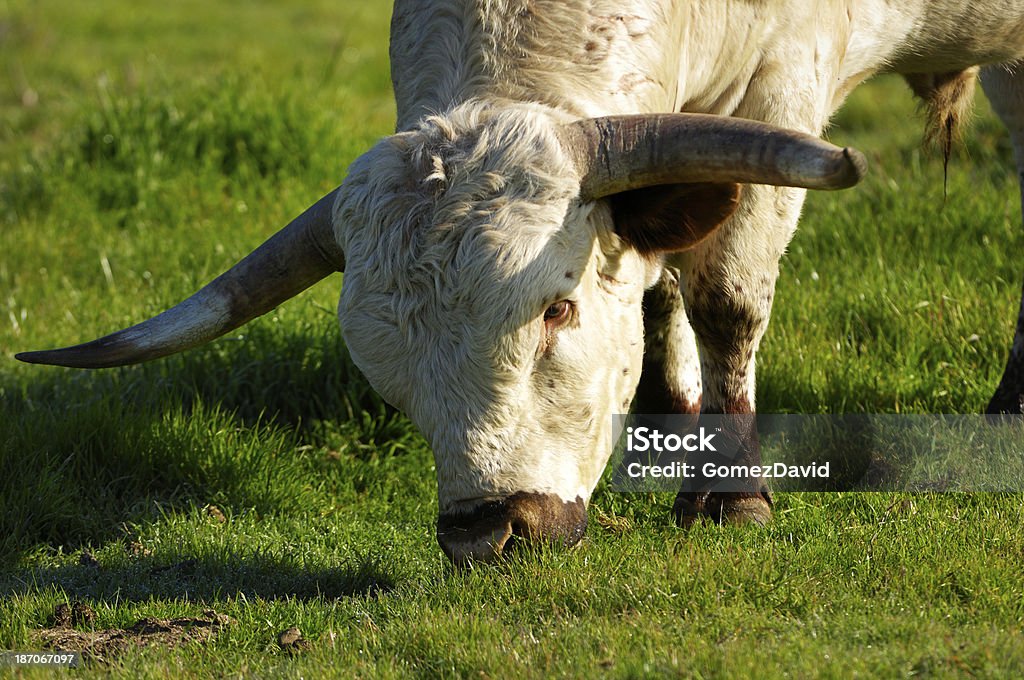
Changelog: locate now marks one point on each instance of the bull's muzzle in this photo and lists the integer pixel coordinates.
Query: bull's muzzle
(489, 530)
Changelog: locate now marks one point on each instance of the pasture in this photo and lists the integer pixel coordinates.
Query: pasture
(145, 147)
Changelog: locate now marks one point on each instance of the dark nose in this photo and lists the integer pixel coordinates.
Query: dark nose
(488, 530)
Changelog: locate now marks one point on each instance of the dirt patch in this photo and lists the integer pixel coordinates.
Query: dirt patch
(215, 513)
(291, 641)
(87, 559)
(76, 614)
(102, 645)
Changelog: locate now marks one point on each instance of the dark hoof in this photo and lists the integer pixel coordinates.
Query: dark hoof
(733, 508)
(1005, 404)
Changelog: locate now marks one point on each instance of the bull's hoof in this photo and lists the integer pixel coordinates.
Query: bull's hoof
(1006, 403)
(735, 508)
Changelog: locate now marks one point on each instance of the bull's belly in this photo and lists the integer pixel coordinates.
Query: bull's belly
(950, 35)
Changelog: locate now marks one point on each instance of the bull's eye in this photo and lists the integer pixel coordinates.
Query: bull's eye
(558, 314)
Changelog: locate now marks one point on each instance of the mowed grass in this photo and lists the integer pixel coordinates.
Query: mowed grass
(146, 147)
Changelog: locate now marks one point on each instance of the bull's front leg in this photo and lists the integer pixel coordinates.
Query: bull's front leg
(728, 284)
(670, 382)
(1005, 89)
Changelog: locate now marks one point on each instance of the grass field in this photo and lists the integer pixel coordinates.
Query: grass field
(144, 147)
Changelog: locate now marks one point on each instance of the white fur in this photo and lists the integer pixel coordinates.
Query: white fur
(459, 230)
(456, 241)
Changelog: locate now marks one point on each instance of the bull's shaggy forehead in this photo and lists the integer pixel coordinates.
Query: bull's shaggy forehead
(457, 235)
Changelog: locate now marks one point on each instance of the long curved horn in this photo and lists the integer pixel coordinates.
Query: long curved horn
(286, 264)
(618, 153)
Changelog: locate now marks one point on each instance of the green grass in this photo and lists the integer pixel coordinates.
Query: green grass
(143, 148)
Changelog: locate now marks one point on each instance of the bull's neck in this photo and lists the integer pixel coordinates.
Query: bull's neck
(584, 57)
(600, 57)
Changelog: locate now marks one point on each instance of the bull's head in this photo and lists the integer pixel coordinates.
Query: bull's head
(492, 294)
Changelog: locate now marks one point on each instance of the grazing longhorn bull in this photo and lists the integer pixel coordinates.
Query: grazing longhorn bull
(553, 160)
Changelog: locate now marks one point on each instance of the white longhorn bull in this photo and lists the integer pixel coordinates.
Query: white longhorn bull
(497, 248)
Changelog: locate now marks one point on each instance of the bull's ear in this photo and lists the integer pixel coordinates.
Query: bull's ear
(673, 217)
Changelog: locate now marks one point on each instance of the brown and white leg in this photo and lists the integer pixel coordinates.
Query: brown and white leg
(670, 382)
(1004, 87)
(728, 287)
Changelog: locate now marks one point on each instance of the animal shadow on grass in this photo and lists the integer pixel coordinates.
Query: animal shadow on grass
(82, 453)
(206, 580)
(784, 394)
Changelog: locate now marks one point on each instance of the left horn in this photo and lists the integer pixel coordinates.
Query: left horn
(619, 153)
(289, 262)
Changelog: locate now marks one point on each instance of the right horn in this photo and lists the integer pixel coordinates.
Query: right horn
(619, 153)
(290, 261)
